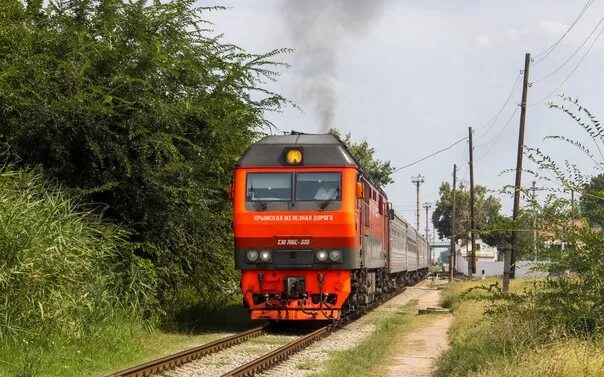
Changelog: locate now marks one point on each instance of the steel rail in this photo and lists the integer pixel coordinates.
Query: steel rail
(273, 358)
(186, 356)
(282, 353)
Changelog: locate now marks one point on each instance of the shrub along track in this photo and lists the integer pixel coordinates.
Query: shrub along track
(257, 365)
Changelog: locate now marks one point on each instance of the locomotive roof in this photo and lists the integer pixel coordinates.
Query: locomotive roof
(318, 150)
(301, 139)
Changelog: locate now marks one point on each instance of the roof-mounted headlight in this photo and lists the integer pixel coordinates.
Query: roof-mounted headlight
(293, 156)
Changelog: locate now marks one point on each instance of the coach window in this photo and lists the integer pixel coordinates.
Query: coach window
(318, 187)
(269, 187)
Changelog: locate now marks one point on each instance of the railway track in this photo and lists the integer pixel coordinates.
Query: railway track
(260, 364)
(175, 360)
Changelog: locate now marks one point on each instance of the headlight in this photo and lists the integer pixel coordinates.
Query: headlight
(321, 255)
(335, 255)
(265, 255)
(252, 255)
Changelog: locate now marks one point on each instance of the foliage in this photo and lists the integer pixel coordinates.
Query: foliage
(379, 171)
(136, 107)
(486, 209)
(498, 232)
(511, 344)
(61, 269)
(574, 299)
(62, 272)
(592, 201)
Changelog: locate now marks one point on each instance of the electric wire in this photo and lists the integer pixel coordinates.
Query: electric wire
(430, 155)
(571, 56)
(515, 86)
(496, 137)
(571, 72)
(493, 120)
(542, 55)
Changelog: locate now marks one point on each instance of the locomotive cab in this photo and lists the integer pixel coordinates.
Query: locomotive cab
(295, 227)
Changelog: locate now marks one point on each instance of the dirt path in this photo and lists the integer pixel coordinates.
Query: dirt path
(417, 350)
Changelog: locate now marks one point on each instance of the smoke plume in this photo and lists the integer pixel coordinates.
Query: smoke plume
(318, 29)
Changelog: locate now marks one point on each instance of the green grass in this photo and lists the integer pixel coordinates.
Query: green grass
(118, 346)
(509, 346)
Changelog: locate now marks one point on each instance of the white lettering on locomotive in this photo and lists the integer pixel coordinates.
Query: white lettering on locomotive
(293, 218)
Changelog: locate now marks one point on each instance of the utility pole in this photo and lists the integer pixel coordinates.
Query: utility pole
(518, 183)
(427, 206)
(572, 205)
(472, 260)
(417, 181)
(453, 243)
(534, 223)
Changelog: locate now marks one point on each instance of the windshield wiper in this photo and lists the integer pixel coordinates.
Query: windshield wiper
(259, 199)
(333, 195)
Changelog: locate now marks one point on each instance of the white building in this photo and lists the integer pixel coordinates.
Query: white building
(487, 263)
(484, 252)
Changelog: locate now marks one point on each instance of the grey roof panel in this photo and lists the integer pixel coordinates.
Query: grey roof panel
(318, 150)
(299, 139)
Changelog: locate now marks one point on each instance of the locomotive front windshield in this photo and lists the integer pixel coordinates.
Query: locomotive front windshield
(318, 186)
(269, 187)
(321, 187)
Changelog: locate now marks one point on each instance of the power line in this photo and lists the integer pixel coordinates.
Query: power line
(544, 54)
(571, 56)
(497, 135)
(571, 72)
(493, 120)
(430, 155)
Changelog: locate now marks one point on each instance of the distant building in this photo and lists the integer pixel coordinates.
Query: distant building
(484, 252)
(488, 262)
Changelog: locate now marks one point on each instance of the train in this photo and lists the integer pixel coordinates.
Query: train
(315, 236)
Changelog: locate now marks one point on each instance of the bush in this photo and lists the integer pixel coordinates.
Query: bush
(511, 342)
(62, 271)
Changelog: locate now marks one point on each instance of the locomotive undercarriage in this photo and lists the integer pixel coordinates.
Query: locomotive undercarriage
(294, 301)
(368, 285)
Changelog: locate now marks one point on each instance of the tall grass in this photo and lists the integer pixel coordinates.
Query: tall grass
(63, 278)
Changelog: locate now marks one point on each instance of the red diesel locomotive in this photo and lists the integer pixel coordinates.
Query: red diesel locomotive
(315, 237)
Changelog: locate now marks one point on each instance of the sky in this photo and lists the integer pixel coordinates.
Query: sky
(410, 77)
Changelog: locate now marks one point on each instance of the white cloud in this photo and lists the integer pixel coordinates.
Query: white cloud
(512, 34)
(481, 41)
(552, 27)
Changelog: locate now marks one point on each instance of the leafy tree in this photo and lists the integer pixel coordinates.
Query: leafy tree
(134, 105)
(486, 209)
(572, 300)
(498, 233)
(380, 171)
(592, 201)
